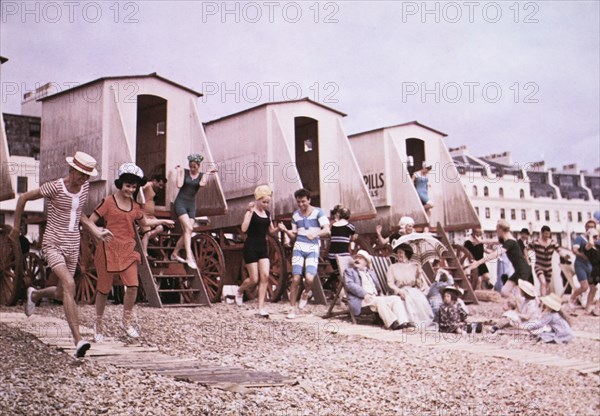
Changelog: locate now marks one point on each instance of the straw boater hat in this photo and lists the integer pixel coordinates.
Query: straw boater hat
(552, 301)
(457, 290)
(365, 255)
(84, 163)
(527, 287)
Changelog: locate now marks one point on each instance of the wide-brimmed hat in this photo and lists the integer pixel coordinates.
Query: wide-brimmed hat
(364, 255)
(408, 250)
(83, 162)
(552, 301)
(527, 287)
(457, 290)
(404, 221)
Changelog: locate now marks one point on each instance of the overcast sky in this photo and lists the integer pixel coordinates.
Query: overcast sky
(494, 76)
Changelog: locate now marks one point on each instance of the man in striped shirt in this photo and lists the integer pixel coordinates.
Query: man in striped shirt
(309, 224)
(544, 247)
(60, 245)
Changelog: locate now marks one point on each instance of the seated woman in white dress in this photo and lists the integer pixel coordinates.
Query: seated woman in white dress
(405, 280)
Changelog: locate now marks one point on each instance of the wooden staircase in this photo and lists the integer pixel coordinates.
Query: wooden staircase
(453, 265)
(168, 283)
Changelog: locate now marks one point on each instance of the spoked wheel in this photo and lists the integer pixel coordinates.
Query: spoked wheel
(34, 271)
(85, 275)
(211, 264)
(10, 268)
(277, 272)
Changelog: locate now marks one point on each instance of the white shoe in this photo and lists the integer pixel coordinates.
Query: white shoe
(175, 257)
(191, 264)
(239, 299)
(81, 349)
(29, 304)
(98, 336)
(130, 331)
(291, 315)
(263, 313)
(304, 299)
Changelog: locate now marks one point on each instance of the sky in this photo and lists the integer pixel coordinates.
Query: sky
(495, 76)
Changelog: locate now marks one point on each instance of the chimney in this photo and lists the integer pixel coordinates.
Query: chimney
(572, 168)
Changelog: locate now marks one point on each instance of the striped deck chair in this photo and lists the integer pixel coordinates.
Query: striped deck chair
(343, 263)
(380, 266)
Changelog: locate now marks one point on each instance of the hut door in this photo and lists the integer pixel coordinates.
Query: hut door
(416, 149)
(307, 155)
(151, 137)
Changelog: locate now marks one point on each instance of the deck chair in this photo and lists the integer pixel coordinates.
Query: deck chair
(343, 263)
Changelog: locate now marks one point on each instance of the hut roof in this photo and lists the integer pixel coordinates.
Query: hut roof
(414, 122)
(152, 75)
(275, 103)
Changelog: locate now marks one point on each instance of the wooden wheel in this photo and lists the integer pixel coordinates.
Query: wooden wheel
(10, 265)
(211, 264)
(85, 275)
(34, 271)
(277, 272)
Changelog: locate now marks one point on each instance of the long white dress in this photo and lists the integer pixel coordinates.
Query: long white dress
(405, 276)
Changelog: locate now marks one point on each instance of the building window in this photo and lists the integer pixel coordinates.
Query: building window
(474, 190)
(569, 216)
(487, 213)
(513, 214)
(501, 193)
(502, 213)
(34, 129)
(523, 214)
(21, 184)
(579, 217)
(557, 216)
(547, 215)
(522, 194)
(477, 211)
(537, 215)
(589, 216)
(486, 191)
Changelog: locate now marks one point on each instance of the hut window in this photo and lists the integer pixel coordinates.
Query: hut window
(486, 191)
(487, 213)
(521, 194)
(308, 145)
(523, 214)
(474, 190)
(501, 193)
(160, 128)
(21, 184)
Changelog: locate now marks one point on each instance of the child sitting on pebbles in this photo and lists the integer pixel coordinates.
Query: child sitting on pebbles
(528, 311)
(434, 296)
(452, 317)
(559, 329)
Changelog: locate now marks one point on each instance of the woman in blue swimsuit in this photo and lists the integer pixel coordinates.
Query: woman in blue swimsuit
(422, 184)
(189, 181)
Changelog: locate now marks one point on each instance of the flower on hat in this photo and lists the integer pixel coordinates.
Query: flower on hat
(195, 157)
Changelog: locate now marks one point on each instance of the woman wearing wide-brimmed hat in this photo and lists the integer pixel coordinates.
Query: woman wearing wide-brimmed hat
(405, 279)
(559, 328)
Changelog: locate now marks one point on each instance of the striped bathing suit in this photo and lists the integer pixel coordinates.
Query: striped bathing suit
(543, 258)
(306, 251)
(60, 243)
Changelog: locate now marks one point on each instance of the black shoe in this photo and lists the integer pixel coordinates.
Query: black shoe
(478, 328)
(411, 325)
(469, 328)
(395, 326)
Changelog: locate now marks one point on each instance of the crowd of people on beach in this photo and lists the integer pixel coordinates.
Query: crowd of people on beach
(404, 298)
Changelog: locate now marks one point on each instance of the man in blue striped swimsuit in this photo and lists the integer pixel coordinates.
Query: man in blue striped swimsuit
(309, 224)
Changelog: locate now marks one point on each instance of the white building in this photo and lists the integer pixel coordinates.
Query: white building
(528, 196)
